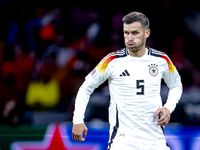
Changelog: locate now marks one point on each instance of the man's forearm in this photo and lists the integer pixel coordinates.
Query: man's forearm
(173, 97)
(81, 102)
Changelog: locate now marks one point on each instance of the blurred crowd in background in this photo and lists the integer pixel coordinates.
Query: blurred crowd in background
(48, 47)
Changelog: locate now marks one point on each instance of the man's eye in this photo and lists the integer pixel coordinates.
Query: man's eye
(135, 32)
(126, 33)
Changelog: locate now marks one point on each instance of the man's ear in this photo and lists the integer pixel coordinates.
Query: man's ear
(147, 33)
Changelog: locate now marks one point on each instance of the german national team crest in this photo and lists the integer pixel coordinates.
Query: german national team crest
(153, 70)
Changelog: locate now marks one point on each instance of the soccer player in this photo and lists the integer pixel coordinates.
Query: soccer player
(136, 113)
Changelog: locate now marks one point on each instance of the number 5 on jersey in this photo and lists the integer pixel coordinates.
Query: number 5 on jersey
(140, 85)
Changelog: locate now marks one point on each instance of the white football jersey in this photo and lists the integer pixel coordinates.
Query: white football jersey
(134, 85)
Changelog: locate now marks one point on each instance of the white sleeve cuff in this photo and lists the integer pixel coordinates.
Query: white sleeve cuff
(170, 107)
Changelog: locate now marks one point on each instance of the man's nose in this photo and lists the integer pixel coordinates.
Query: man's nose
(130, 37)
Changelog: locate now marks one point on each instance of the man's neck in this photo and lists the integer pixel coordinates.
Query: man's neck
(138, 53)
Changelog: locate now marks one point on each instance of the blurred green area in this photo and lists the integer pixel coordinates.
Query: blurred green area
(9, 134)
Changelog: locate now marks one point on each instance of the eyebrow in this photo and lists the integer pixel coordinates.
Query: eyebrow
(131, 31)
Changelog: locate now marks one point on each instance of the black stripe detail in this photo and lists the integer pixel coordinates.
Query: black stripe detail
(115, 128)
(121, 53)
(156, 55)
(163, 131)
(123, 73)
(127, 72)
(149, 50)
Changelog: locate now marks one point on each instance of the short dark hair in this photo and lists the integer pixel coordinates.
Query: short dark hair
(136, 17)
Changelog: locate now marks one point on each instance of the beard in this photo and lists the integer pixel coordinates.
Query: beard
(136, 46)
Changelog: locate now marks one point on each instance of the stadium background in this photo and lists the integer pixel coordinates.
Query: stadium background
(48, 47)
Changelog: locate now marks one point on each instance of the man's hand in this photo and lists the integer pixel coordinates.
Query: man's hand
(77, 131)
(164, 120)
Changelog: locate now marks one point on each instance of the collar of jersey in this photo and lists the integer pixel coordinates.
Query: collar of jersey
(132, 57)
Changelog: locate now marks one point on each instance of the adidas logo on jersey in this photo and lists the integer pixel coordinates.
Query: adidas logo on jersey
(125, 73)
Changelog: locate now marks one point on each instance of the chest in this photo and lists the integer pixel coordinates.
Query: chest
(137, 74)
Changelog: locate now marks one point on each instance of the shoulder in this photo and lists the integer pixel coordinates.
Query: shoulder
(154, 52)
(118, 54)
(114, 55)
(159, 54)
(110, 57)
(163, 56)
(121, 53)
